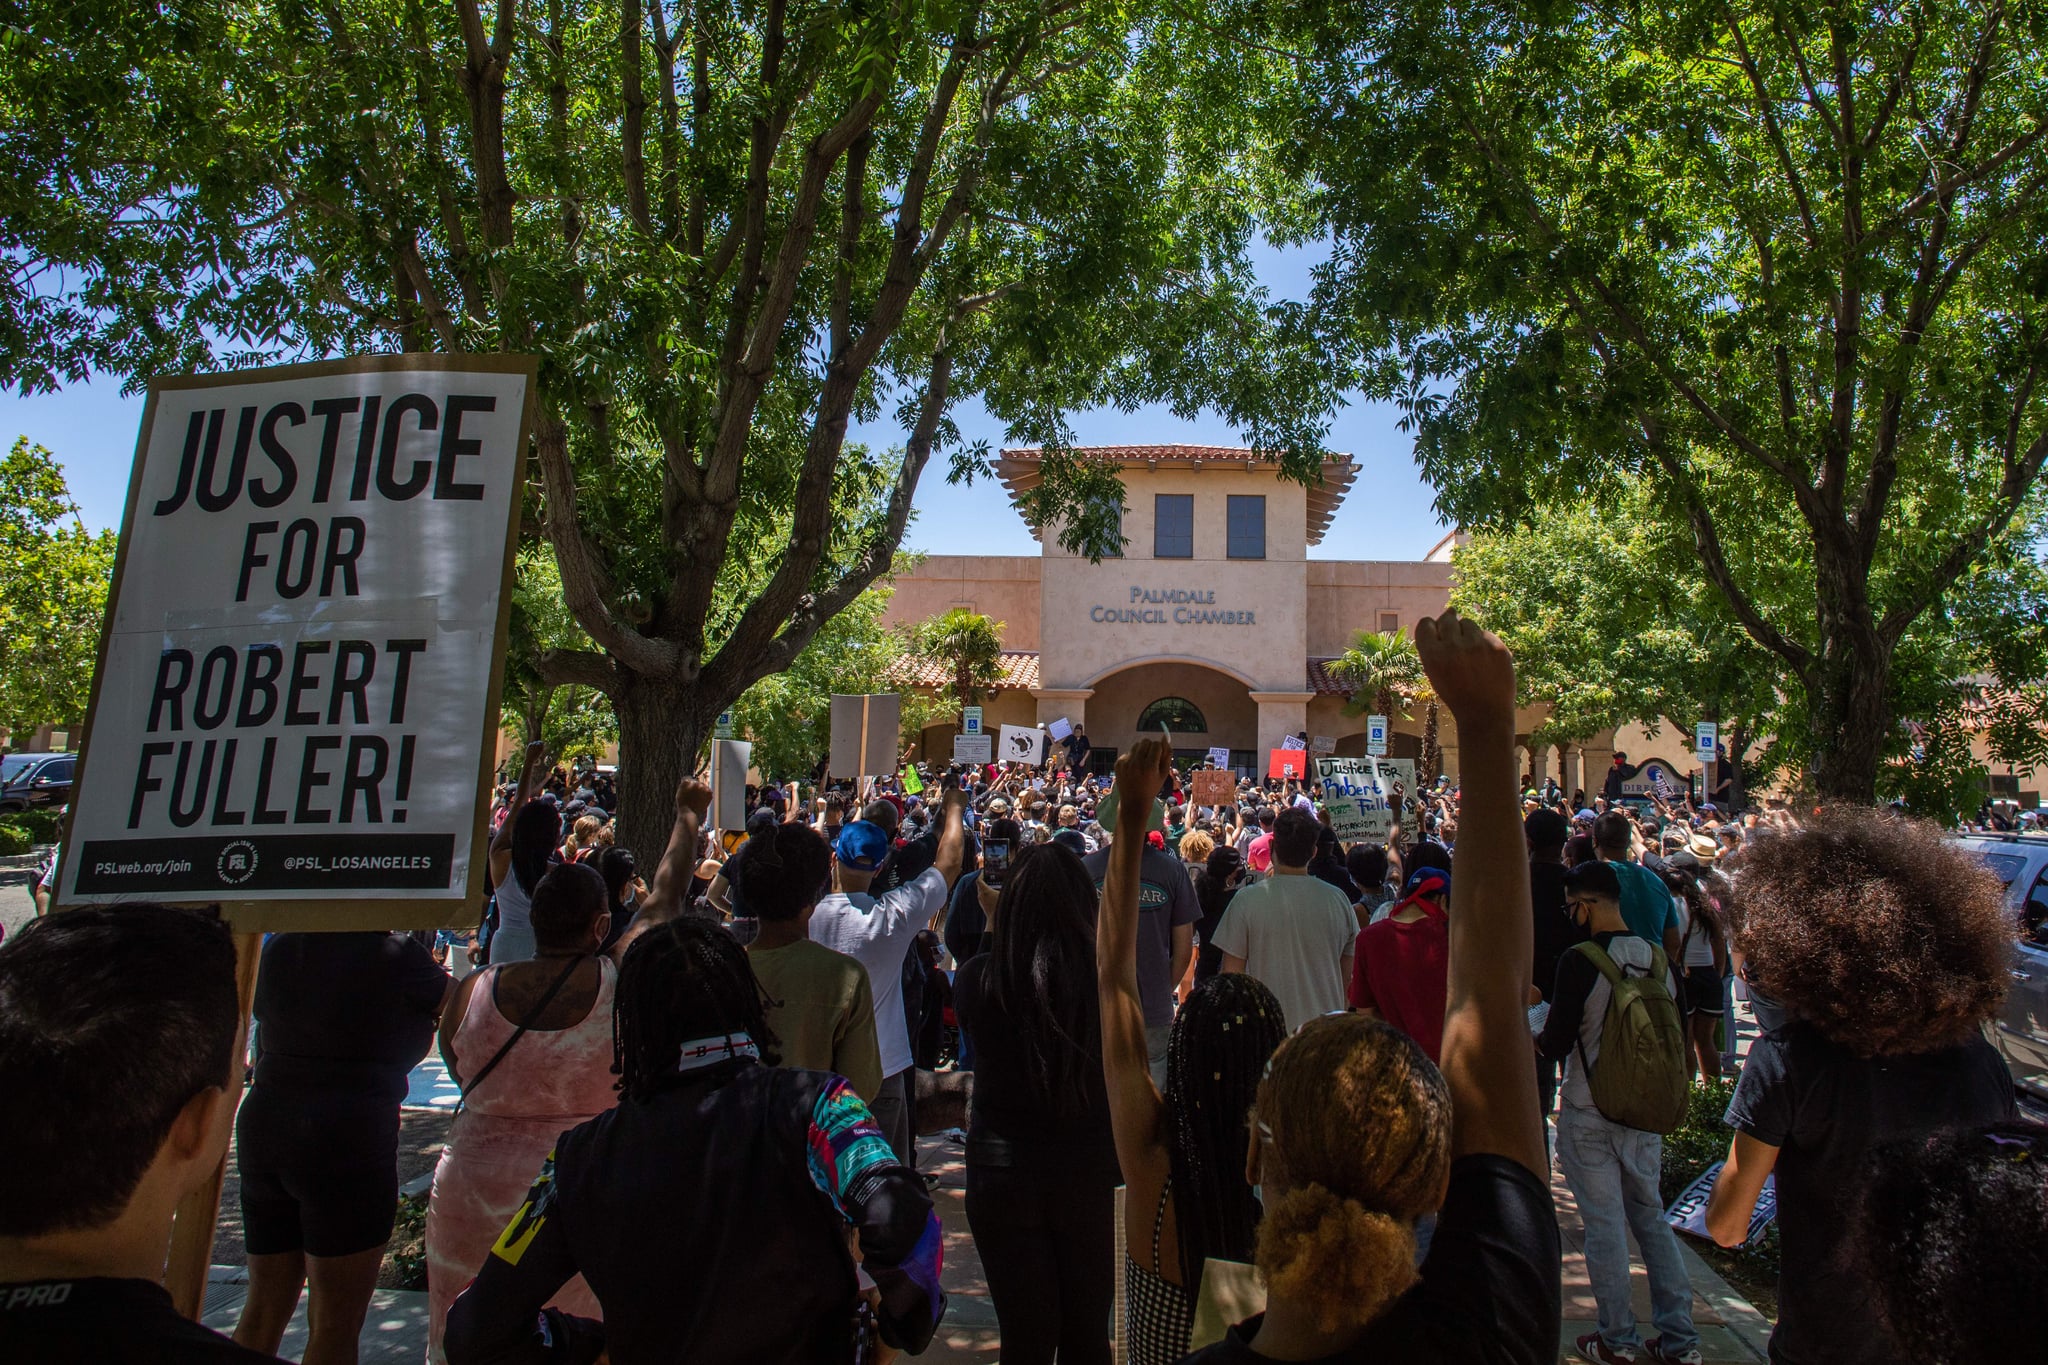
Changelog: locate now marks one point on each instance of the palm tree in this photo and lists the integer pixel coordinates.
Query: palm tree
(969, 644)
(1432, 748)
(1383, 669)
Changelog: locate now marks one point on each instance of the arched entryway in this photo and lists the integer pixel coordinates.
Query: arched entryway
(1200, 707)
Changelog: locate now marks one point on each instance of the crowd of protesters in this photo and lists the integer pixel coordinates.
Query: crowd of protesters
(1320, 1088)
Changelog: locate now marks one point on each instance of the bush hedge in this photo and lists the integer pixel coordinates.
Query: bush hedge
(43, 826)
(14, 840)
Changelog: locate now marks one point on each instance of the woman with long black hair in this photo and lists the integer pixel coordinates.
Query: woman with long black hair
(1041, 1163)
(521, 854)
(1182, 1154)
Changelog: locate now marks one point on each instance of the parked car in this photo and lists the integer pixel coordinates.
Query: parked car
(34, 781)
(2021, 862)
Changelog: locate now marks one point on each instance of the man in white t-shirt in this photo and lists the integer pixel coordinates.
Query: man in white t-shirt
(879, 931)
(1292, 931)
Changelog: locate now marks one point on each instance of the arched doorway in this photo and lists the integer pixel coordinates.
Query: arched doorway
(1198, 706)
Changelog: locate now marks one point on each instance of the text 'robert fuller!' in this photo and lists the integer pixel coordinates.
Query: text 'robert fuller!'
(317, 682)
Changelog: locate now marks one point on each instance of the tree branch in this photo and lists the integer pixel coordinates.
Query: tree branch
(577, 668)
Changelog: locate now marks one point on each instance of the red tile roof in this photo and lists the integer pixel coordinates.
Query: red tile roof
(1325, 681)
(1016, 467)
(1019, 668)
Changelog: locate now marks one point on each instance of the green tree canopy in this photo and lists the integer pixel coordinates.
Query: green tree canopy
(968, 644)
(572, 720)
(54, 576)
(1780, 263)
(727, 231)
(1384, 672)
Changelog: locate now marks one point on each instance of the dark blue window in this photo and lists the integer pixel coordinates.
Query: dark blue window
(1173, 526)
(1247, 521)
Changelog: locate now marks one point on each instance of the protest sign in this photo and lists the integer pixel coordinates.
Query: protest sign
(1295, 742)
(1322, 744)
(1287, 763)
(730, 759)
(1688, 1212)
(1359, 793)
(974, 748)
(1023, 744)
(1105, 813)
(864, 738)
(1060, 728)
(296, 709)
(913, 781)
(1212, 788)
(1220, 757)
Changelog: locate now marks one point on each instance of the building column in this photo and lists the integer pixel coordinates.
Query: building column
(1057, 702)
(1280, 714)
(1539, 766)
(1571, 769)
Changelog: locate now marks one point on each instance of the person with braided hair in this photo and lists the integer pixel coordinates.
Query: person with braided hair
(1182, 1152)
(719, 1173)
(1355, 1135)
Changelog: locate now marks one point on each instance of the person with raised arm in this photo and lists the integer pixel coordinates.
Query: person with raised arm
(1180, 1152)
(521, 853)
(1355, 1135)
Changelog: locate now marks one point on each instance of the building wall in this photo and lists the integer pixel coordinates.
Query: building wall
(1225, 704)
(1001, 587)
(1346, 596)
(1083, 638)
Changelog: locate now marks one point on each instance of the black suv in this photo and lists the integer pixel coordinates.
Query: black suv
(35, 781)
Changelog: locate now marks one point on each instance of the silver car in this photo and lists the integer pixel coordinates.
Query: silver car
(2021, 862)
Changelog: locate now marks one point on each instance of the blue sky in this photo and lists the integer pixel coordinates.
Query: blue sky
(1388, 514)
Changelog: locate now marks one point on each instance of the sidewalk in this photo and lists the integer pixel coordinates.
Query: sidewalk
(1731, 1332)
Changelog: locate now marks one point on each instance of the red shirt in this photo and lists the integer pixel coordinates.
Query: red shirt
(1403, 971)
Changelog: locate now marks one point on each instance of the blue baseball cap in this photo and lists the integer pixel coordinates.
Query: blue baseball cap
(862, 845)
(1425, 881)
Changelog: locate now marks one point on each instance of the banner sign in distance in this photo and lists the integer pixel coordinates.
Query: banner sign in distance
(1211, 787)
(1023, 744)
(974, 748)
(1220, 757)
(1359, 793)
(297, 697)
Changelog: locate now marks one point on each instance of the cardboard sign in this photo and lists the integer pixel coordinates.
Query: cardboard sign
(864, 740)
(1296, 743)
(1220, 757)
(970, 720)
(1060, 728)
(1212, 788)
(1359, 793)
(1023, 744)
(974, 748)
(913, 781)
(296, 709)
(1322, 744)
(1287, 763)
(730, 759)
(1688, 1212)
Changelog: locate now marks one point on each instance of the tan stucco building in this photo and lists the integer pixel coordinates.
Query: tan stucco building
(1214, 615)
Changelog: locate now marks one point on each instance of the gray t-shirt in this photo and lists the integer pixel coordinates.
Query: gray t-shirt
(1166, 900)
(1293, 932)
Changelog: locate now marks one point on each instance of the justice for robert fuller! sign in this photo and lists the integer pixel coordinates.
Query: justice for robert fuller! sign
(298, 686)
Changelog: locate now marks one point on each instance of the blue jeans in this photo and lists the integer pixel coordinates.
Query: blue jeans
(1612, 1172)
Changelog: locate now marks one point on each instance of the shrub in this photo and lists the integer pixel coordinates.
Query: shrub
(14, 840)
(43, 826)
(408, 1251)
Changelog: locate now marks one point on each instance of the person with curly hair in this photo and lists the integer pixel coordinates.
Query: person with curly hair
(1356, 1135)
(1952, 1232)
(1886, 947)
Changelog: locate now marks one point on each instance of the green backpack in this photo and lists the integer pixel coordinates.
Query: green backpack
(1640, 1082)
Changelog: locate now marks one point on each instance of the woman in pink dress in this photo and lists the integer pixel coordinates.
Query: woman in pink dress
(556, 1075)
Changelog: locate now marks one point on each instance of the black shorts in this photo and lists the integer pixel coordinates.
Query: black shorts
(1703, 991)
(319, 1173)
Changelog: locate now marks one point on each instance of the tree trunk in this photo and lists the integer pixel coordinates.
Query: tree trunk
(1738, 746)
(662, 725)
(1851, 717)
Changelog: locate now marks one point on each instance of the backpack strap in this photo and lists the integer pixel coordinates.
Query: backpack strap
(1597, 955)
